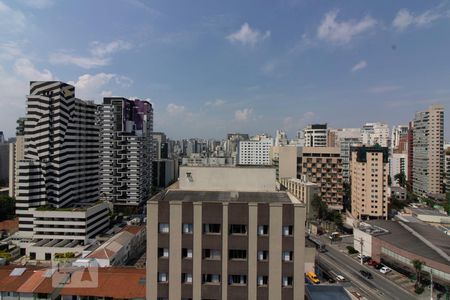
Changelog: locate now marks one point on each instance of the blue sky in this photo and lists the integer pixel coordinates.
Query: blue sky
(212, 67)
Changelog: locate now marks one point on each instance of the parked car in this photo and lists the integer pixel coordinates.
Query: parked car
(366, 274)
(340, 278)
(365, 258)
(313, 277)
(372, 263)
(385, 270)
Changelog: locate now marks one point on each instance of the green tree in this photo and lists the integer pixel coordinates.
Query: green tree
(7, 207)
(400, 178)
(417, 264)
(320, 208)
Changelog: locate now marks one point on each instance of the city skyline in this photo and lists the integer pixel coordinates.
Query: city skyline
(215, 68)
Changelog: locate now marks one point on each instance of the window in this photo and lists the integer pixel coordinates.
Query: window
(237, 279)
(211, 228)
(238, 229)
(287, 281)
(186, 253)
(187, 228)
(237, 254)
(263, 229)
(186, 278)
(163, 252)
(162, 277)
(263, 280)
(211, 278)
(288, 230)
(163, 228)
(212, 254)
(263, 255)
(288, 255)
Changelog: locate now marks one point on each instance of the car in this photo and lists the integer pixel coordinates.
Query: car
(372, 263)
(366, 274)
(340, 278)
(313, 277)
(385, 270)
(365, 258)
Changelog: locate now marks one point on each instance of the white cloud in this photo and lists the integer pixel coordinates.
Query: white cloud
(291, 123)
(90, 86)
(100, 55)
(242, 115)
(359, 66)
(248, 36)
(384, 89)
(101, 49)
(174, 109)
(215, 103)
(10, 50)
(25, 68)
(80, 61)
(405, 18)
(11, 21)
(39, 4)
(340, 33)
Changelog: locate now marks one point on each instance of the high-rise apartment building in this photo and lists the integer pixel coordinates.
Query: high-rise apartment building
(16, 154)
(126, 149)
(399, 133)
(60, 165)
(316, 135)
(284, 159)
(323, 165)
(375, 133)
(223, 243)
(255, 151)
(428, 151)
(345, 138)
(281, 138)
(398, 164)
(369, 174)
(447, 170)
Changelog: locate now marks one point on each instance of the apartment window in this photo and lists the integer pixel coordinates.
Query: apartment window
(263, 280)
(237, 279)
(263, 255)
(237, 254)
(186, 253)
(287, 281)
(163, 228)
(211, 228)
(211, 278)
(287, 255)
(263, 229)
(187, 228)
(238, 229)
(288, 230)
(186, 278)
(212, 254)
(162, 277)
(163, 252)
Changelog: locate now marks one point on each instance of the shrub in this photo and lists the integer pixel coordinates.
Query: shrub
(419, 290)
(351, 250)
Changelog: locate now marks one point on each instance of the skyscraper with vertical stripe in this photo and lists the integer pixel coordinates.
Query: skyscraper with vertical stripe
(61, 161)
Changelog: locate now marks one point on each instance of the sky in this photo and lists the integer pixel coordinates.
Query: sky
(212, 67)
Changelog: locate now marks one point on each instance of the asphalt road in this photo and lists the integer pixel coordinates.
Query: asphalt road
(379, 287)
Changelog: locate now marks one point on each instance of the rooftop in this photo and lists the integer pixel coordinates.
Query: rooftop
(223, 196)
(326, 292)
(400, 237)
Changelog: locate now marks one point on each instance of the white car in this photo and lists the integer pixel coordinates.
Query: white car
(340, 278)
(385, 270)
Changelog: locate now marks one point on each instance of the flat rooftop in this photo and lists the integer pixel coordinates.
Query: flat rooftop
(224, 196)
(427, 211)
(401, 238)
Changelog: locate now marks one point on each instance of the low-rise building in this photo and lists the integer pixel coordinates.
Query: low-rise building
(303, 190)
(398, 243)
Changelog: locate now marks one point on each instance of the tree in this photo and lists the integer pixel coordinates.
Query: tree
(320, 208)
(417, 264)
(7, 207)
(400, 178)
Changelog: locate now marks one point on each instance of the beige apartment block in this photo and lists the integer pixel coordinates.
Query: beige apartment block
(369, 167)
(323, 166)
(284, 159)
(303, 190)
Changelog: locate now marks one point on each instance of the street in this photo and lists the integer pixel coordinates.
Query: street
(379, 287)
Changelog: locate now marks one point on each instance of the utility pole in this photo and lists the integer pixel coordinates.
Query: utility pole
(361, 242)
(431, 284)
